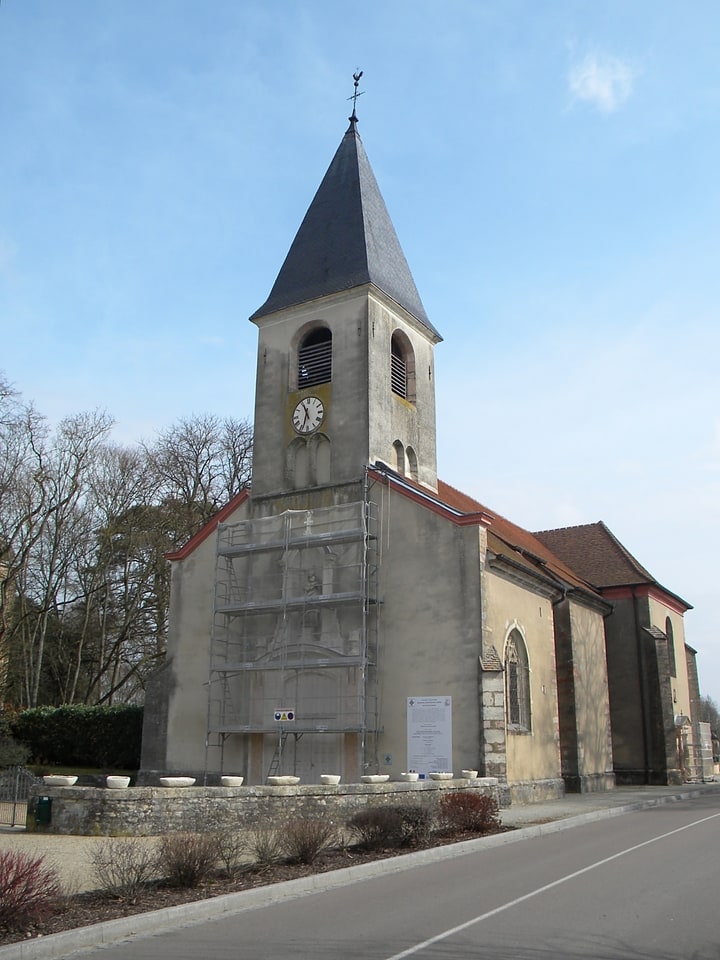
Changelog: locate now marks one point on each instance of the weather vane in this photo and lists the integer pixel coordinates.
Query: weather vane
(356, 94)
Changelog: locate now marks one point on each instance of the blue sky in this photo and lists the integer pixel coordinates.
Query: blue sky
(552, 172)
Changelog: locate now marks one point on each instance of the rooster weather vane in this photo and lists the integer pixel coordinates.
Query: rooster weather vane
(356, 94)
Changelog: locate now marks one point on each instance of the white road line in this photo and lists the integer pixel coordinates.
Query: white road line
(534, 893)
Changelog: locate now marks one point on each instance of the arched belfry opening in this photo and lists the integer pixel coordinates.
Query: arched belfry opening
(314, 363)
(402, 366)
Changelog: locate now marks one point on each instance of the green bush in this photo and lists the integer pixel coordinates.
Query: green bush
(104, 737)
(12, 753)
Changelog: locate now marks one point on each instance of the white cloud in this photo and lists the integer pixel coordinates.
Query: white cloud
(604, 81)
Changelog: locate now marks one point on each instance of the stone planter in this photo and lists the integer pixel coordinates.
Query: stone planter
(231, 781)
(441, 775)
(330, 779)
(117, 783)
(56, 780)
(283, 781)
(375, 778)
(177, 781)
(469, 774)
(409, 777)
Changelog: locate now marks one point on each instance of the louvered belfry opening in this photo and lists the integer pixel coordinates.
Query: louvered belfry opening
(315, 358)
(398, 370)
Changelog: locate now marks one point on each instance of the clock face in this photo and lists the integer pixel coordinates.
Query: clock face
(308, 415)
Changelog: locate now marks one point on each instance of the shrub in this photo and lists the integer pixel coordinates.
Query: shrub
(101, 736)
(378, 827)
(12, 753)
(231, 845)
(186, 859)
(305, 839)
(417, 823)
(122, 866)
(29, 889)
(466, 812)
(266, 845)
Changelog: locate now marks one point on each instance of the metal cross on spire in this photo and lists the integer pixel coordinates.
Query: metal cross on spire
(356, 94)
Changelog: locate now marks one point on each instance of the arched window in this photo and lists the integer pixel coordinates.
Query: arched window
(402, 367)
(670, 646)
(399, 457)
(517, 684)
(315, 358)
(412, 464)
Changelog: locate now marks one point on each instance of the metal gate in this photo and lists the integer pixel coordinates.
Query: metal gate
(15, 784)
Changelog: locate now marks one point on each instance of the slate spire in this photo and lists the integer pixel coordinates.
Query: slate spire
(346, 239)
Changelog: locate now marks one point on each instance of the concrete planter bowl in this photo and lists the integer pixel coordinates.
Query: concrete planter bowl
(283, 781)
(375, 778)
(231, 781)
(330, 779)
(469, 774)
(117, 783)
(441, 775)
(410, 777)
(177, 781)
(56, 780)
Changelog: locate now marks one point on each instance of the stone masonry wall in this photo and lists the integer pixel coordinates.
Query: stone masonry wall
(151, 811)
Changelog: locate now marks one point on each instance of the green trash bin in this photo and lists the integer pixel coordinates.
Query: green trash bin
(43, 810)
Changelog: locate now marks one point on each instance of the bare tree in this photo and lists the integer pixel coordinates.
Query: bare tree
(84, 530)
(202, 462)
(49, 526)
(708, 712)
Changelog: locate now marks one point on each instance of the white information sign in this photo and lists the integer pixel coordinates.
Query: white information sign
(429, 734)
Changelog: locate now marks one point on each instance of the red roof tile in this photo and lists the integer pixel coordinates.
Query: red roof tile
(514, 541)
(596, 554)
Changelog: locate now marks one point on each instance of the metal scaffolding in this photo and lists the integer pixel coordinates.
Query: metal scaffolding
(295, 625)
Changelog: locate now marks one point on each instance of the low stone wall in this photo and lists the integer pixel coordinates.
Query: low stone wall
(150, 811)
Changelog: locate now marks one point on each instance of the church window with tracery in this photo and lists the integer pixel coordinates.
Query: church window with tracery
(670, 646)
(517, 684)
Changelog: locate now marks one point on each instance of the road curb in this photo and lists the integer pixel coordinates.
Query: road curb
(61, 945)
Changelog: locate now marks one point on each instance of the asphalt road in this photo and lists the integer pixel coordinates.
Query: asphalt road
(643, 885)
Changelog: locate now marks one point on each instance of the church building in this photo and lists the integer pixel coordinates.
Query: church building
(353, 614)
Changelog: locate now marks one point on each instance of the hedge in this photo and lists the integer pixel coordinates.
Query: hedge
(104, 737)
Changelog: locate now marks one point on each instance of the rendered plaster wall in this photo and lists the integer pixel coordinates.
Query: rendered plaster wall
(277, 390)
(591, 714)
(534, 755)
(429, 639)
(391, 417)
(679, 683)
(153, 811)
(363, 418)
